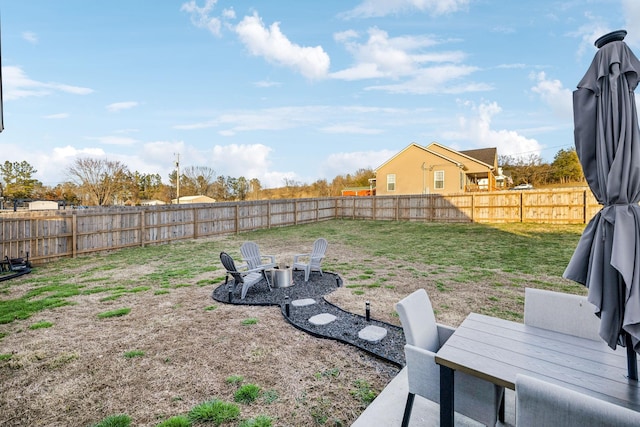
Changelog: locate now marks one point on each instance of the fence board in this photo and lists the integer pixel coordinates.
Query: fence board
(48, 235)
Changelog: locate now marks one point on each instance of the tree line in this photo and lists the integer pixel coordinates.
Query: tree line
(103, 182)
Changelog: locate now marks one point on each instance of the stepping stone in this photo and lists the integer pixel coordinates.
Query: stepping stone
(322, 319)
(303, 302)
(372, 333)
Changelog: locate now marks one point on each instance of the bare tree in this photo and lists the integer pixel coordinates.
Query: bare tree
(198, 179)
(101, 179)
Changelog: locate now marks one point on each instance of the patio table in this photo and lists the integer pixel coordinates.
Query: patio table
(497, 350)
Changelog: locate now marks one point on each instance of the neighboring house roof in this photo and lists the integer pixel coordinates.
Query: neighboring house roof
(426, 149)
(485, 155)
(194, 199)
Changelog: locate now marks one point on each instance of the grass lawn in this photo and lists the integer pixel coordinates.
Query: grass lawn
(133, 338)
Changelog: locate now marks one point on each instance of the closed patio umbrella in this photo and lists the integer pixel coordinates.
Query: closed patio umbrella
(607, 139)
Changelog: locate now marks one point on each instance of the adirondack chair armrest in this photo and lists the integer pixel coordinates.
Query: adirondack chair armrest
(298, 256)
(271, 258)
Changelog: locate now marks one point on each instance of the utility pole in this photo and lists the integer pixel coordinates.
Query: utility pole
(177, 178)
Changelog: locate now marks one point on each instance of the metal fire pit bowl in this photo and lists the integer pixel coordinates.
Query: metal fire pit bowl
(281, 277)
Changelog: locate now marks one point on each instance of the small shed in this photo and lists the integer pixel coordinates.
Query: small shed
(193, 199)
(43, 205)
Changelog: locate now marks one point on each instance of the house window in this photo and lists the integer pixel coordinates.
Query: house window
(438, 180)
(461, 181)
(391, 182)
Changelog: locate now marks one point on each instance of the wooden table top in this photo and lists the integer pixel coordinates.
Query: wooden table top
(497, 350)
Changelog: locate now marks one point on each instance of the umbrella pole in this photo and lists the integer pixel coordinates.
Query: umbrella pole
(632, 360)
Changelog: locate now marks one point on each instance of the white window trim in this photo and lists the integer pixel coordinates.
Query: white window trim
(391, 181)
(436, 181)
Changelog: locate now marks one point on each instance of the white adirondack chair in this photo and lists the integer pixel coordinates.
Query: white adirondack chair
(254, 260)
(311, 262)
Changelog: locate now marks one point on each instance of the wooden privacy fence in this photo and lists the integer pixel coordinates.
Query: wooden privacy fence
(47, 235)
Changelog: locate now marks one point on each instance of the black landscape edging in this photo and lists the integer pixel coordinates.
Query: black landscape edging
(220, 294)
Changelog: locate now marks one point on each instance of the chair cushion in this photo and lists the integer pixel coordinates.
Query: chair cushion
(418, 321)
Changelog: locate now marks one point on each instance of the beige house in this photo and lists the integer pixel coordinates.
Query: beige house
(436, 169)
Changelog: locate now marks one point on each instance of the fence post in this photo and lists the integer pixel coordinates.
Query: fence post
(521, 206)
(268, 213)
(584, 207)
(142, 228)
(74, 234)
(195, 223)
(473, 207)
(237, 225)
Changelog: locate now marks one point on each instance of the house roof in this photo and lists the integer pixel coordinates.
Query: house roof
(413, 144)
(485, 155)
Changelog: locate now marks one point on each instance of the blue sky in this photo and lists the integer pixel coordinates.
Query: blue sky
(295, 90)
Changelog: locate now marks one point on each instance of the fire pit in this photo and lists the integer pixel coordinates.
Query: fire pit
(281, 277)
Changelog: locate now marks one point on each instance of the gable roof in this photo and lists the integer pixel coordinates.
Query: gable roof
(485, 155)
(420, 147)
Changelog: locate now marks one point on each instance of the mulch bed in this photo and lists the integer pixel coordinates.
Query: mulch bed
(344, 329)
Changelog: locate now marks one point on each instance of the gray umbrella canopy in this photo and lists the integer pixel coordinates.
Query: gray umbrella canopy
(607, 139)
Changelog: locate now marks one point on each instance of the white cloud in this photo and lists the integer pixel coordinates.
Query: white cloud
(406, 61)
(558, 98)
(57, 116)
(384, 56)
(477, 130)
(200, 16)
(114, 140)
(351, 129)
(341, 163)
(377, 8)
(16, 85)
(271, 44)
(266, 83)
(247, 160)
(631, 10)
(119, 106)
(30, 37)
(439, 79)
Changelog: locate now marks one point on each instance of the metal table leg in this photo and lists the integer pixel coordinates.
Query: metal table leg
(446, 396)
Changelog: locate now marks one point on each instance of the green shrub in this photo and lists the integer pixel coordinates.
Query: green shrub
(215, 411)
(234, 379)
(259, 421)
(40, 325)
(363, 392)
(250, 321)
(121, 420)
(133, 353)
(114, 313)
(247, 393)
(177, 421)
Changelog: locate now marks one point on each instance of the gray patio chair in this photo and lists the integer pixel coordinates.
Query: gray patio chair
(253, 259)
(475, 398)
(246, 278)
(542, 404)
(560, 312)
(311, 262)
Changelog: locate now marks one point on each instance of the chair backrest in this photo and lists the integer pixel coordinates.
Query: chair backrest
(318, 251)
(418, 321)
(251, 253)
(560, 312)
(230, 266)
(539, 403)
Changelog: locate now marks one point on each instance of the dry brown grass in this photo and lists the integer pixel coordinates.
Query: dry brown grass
(75, 373)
